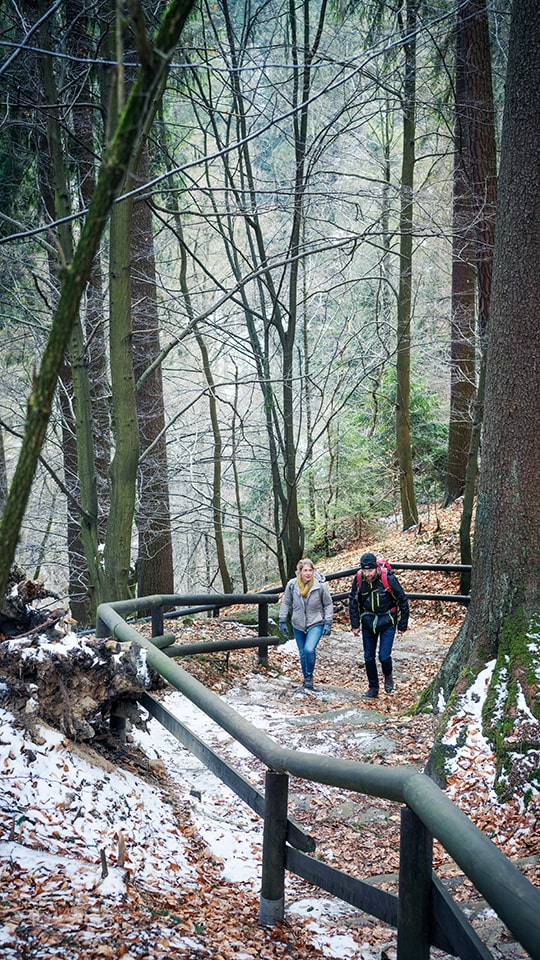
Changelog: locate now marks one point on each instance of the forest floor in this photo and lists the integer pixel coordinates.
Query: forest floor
(359, 833)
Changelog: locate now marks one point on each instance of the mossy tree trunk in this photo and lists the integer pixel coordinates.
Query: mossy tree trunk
(77, 425)
(504, 615)
(117, 551)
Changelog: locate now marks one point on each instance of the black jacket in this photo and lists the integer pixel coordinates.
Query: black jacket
(372, 604)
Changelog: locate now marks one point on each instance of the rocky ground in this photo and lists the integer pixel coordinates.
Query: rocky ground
(361, 833)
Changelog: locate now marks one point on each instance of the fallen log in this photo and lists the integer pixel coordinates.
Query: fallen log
(75, 684)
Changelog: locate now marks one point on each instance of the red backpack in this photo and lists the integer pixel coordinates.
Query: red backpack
(384, 567)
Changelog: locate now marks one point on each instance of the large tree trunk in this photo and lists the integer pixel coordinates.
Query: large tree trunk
(117, 552)
(505, 598)
(506, 576)
(123, 469)
(77, 426)
(86, 137)
(463, 345)
(155, 554)
(409, 509)
(479, 133)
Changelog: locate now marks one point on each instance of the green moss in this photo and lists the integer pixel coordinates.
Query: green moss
(437, 765)
(516, 669)
(515, 632)
(424, 704)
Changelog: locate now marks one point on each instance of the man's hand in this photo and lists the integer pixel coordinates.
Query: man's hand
(356, 631)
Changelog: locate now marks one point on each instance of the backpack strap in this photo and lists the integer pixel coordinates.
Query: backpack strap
(383, 570)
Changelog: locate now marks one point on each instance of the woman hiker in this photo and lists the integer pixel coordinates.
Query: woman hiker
(308, 596)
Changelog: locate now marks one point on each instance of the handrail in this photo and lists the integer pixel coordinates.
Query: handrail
(212, 602)
(509, 893)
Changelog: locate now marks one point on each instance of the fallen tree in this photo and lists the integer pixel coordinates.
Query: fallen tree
(74, 683)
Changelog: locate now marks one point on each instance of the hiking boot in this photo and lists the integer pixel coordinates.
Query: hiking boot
(371, 694)
(389, 683)
(308, 682)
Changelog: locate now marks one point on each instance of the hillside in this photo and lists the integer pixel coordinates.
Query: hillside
(182, 857)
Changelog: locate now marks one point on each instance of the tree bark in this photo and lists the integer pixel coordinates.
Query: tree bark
(77, 425)
(153, 518)
(3, 472)
(409, 509)
(479, 133)
(506, 573)
(503, 618)
(463, 340)
(117, 551)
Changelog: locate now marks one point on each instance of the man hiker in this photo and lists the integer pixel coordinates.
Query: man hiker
(377, 606)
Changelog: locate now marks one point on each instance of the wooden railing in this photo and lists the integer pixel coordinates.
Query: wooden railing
(423, 912)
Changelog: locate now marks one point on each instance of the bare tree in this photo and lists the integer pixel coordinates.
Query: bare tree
(155, 60)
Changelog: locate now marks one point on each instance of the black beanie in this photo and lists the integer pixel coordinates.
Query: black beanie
(368, 561)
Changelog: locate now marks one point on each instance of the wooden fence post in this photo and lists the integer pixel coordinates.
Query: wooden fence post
(157, 622)
(272, 901)
(415, 885)
(263, 632)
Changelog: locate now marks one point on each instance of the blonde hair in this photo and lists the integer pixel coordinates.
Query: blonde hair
(306, 562)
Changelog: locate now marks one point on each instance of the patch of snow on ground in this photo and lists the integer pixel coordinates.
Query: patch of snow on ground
(60, 811)
(474, 754)
(53, 798)
(231, 830)
(82, 876)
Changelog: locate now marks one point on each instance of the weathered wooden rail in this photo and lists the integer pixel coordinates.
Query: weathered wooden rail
(423, 912)
(214, 608)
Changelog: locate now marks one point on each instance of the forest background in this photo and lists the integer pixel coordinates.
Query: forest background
(269, 273)
(282, 333)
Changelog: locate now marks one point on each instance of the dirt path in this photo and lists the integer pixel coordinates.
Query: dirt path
(359, 833)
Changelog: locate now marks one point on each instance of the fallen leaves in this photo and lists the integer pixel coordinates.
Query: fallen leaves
(48, 912)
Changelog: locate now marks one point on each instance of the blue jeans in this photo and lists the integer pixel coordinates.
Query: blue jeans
(307, 646)
(369, 641)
